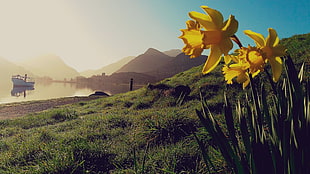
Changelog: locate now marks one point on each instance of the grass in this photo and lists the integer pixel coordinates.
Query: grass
(140, 131)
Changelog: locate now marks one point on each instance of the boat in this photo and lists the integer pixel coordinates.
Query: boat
(22, 81)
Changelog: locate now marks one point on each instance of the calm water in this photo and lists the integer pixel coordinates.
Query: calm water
(42, 91)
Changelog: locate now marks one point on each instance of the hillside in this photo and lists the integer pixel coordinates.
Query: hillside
(151, 60)
(7, 69)
(49, 65)
(160, 65)
(153, 63)
(177, 64)
(142, 131)
(109, 69)
(298, 46)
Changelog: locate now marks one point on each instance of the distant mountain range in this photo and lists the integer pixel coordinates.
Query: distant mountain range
(160, 65)
(109, 69)
(152, 64)
(49, 65)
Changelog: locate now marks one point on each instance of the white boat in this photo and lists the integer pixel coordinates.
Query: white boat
(22, 81)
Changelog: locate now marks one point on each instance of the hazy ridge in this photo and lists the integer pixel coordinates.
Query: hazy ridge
(149, 63)
(153, 63)
(49, 65)
(108, 69)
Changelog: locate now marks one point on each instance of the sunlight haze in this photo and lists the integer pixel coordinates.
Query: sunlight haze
(89, 34)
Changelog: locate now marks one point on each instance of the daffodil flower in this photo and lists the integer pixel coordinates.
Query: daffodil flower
(236, 70)
(248, 61)
(270, 46)
(216, 36)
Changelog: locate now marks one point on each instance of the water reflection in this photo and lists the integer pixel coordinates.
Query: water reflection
(42, 91)
(21, 91)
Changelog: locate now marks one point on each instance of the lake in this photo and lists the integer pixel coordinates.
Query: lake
(42, 91)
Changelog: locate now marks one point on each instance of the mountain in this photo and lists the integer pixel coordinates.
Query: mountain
(173, 52)
(50, 65)
(160, 65)
(109, 69)
(176, 65)
(151, 60)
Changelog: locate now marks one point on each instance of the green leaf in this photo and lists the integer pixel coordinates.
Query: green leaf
(230, 124)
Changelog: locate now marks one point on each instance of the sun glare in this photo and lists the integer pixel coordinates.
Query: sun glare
(33, 27)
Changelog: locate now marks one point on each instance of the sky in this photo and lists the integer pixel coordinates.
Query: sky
(89, 34)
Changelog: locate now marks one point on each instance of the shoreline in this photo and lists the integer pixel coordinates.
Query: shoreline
(19, 109)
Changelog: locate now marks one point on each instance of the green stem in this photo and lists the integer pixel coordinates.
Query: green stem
(236, 39)
(271, 82)
(258, 115)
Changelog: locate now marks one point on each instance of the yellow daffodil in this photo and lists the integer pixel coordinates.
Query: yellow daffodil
(216, 36)
(270, 46)
(192, 37)
(250, 60)
(236, 70)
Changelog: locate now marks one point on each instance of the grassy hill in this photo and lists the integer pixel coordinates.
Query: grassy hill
(298, 46)
(142, 131)
(118, 133)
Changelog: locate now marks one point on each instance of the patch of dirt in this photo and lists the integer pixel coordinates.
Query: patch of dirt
(14, 110)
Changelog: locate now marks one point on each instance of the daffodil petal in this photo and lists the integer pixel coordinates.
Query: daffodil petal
(279, 51)
(236, 66)
(203, 19)
(228, 58)
(213, 59)
(258, 38)
(255, 73)
(276, 67)
(216, 16)
(236, 70)
(225, 45)
(246, 83)
(235, 58)
(272, 38)
(231, 26)
(230, 73)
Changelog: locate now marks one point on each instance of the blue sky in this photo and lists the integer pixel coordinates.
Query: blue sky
(88, 34)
